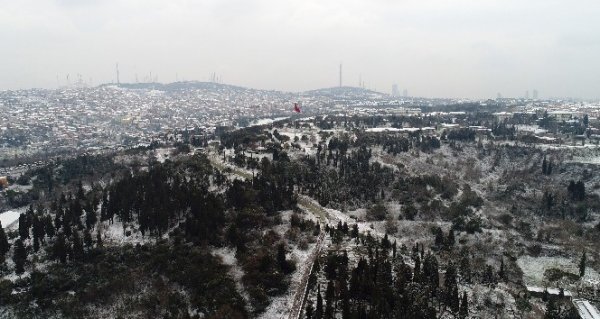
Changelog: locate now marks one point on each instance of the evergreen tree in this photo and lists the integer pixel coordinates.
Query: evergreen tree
(450, 287)
(329, 300)
(431, 272)
(489, 277)
(465, 269)
(23, 226)
(60, 248)
(87, 238)
(309, 311)
(78, 252)
(464, 307)
(552, 311)
(582, 265)
(417, 270)
(544, 166)
(19, 257)
(439, 238)
(90, 218)
(319, 310)
(49, 227)
(38, 229)
(501, 273)
(98, 239)
(451, 240)
(454, 301)
(4, 245)
(354, 232)
(36, 244)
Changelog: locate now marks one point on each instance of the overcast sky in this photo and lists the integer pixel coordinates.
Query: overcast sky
(432, 48)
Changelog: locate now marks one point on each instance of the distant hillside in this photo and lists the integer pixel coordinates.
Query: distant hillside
(181, 86)
(333, 92)
(345, 91)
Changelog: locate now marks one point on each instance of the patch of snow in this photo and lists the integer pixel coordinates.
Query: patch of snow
(9, 218)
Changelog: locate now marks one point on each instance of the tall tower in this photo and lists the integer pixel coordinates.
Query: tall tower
(117, 69)
(535, 94)
(340, 75)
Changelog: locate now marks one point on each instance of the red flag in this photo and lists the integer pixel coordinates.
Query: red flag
(296, 108)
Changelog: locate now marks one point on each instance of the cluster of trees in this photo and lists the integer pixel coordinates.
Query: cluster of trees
(247, 136)
(501, 129)
(394, 143)
(383, 285)
(174, 197)
(164, 196)
(546, 166)
(411, 189)
(346, 178)
(64, 230)
(463, 134)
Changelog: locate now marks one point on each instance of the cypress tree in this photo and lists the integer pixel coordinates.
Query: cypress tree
(464, 307)
(4, 245)
(23, 226)
(309, 310)
(90, 218)
(329, 300)
(98, 239)
(544, 166)
(451, 240)
(19, 257)
(501, 273)
(582, 263)
(455, 300)
(87, 238)
(319, 310)
(36, 244)
(49, 227)
(77, 247)
(60, 248)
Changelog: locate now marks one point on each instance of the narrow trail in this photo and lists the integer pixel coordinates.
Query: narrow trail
(299, 295)
(301, 291)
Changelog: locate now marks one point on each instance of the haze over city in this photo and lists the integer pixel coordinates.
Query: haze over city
(434, 48)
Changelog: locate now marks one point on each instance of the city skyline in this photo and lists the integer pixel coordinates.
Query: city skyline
(434, 49)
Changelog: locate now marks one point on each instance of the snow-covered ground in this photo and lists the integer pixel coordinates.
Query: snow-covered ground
(281, 306)
(9, 218)
(227, 255)
(534, 268)
(267, 121)
(115, 233)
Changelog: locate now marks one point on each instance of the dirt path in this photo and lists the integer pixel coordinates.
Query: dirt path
(324, 218)
(301, 292)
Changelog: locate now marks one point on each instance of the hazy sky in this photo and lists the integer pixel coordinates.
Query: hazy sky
(433, 48)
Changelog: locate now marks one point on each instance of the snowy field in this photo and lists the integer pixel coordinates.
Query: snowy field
(267, 121)
(9, 218)
(534, 268)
